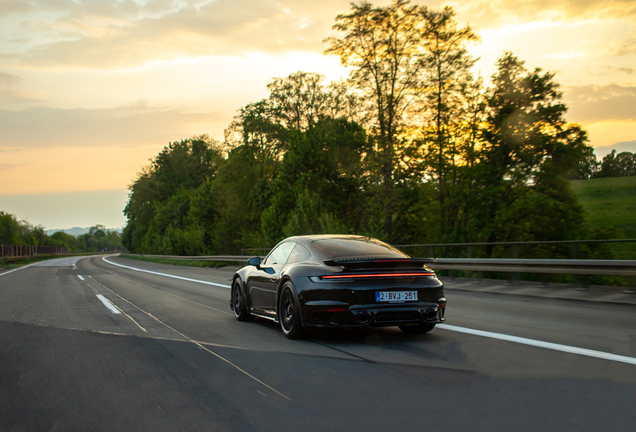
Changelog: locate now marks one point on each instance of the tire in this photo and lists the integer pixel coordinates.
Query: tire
(289, 312)
(238, 303)
(417, 328)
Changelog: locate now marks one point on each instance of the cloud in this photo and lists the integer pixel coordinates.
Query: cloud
(98, 34)
(16, 98)
(8, 166)
(8, 79)
(626, 47)
(600, 103)
(135, 125)
(493, 13)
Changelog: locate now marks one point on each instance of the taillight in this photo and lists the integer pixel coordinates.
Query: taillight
(372, 275)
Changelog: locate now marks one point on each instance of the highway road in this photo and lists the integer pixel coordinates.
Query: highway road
(94, 344)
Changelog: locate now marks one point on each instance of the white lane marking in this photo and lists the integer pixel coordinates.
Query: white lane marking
(167, 293)
(80, 276)
(541, 344)
(111, 307)
(500, 336)
(168, 275)
(19, 268)
(199, 344)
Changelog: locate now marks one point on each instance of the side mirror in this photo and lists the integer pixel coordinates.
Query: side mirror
(255, 261)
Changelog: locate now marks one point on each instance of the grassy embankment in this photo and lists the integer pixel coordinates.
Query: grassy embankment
(190, 263)
(611, 203)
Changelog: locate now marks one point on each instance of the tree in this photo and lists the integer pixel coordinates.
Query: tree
(383, 45)
(449, 87)
(617, 165)
(9, 229)
(159, 198)
(320, 186)
(527, 148)
(587, 167)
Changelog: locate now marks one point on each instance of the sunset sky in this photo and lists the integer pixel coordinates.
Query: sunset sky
(92, 89)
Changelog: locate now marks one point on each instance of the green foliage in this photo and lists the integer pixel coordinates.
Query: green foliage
(610, 206)
(411, 149)
(519, 190)
(618, 165)
(22, 233)
(9, 229)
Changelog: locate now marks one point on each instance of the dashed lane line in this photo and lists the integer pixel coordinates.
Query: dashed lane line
(199, 344)
(111, 307)
(170, 294)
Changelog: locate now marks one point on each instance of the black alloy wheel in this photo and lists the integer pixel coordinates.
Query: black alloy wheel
(417, 328)
(289, 313)
(239, 305)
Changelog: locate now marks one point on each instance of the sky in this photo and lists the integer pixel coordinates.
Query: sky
(90, 90)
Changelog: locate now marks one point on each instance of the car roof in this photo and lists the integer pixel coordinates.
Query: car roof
(312, 237)
(318, 254)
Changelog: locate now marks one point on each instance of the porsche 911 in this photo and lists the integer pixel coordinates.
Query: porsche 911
(338, 281)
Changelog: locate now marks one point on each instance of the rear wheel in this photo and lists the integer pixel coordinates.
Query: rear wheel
(417, 328)
(239, 305)
(289, 312)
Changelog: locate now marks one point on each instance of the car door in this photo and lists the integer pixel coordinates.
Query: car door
(263, 283)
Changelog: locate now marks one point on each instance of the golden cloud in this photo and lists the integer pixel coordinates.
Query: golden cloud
(601, 103)
(135, 125)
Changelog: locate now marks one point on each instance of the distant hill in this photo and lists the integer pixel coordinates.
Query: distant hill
(611, 203)
(626, 146)
(76, 231)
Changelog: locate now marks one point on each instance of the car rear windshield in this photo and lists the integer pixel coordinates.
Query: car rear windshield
(342, 248)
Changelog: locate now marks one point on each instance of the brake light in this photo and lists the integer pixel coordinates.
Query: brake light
(349, 276)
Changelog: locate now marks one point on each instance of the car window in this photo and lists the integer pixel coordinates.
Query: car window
(299, 254)
(280, 254)
(356, 248)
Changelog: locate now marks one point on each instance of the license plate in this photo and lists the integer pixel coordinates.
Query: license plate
(395, 296)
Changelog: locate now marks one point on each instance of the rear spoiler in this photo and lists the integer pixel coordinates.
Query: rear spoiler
(380, 262)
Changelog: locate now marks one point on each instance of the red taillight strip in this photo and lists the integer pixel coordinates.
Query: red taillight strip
(376, 275)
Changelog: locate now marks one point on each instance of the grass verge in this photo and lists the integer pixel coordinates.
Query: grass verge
(610, 203)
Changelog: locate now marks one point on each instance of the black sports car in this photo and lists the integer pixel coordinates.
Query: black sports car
(339, 281)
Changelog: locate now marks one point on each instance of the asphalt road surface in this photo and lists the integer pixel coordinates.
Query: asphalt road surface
(86, 345)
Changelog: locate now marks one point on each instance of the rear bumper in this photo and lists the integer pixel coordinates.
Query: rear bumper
(336, 314)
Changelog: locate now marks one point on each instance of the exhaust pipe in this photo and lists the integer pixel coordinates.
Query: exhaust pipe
(430, 315)
(363, 318)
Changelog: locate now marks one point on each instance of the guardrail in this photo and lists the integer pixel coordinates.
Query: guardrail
(27, 251)
(541, 266)
(509, 266)
(515, 247)
(228, 258)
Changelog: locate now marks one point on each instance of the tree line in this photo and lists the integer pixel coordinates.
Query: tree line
(411, 148)
(612, 165)
(23, 233)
